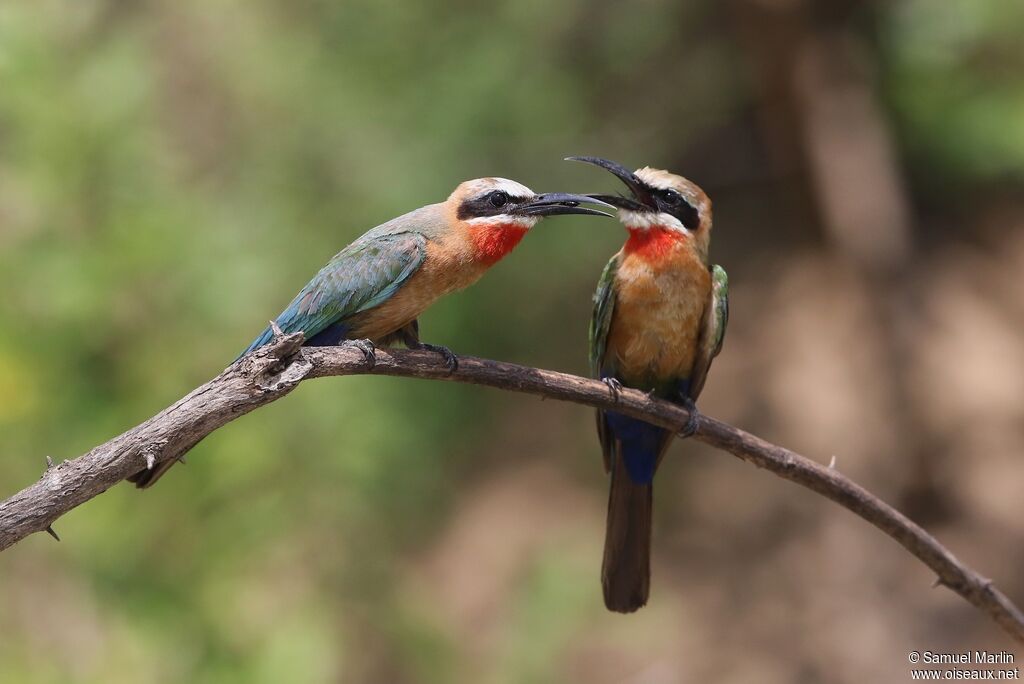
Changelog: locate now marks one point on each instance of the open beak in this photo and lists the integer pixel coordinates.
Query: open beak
(553, 203)
(642, 199)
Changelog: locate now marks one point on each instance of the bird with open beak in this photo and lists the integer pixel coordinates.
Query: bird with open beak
(660, 313)
(373, 290)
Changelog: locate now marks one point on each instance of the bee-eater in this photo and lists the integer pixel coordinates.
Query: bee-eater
(373, 290)
(660, 313)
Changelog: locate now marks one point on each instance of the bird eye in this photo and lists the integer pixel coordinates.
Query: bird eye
(672, 198)
(498, 199)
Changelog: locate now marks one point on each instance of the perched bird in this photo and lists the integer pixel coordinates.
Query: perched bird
(372, 291)
(660, 313)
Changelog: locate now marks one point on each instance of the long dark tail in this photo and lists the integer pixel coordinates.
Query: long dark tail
(626, 571)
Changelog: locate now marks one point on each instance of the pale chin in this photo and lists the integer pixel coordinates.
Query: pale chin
(504, 220)
(645, 220)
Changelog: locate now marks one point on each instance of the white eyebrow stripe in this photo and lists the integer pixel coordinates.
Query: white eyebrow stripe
(660, 180)
(660, 183)
(510, 187)
(513, 188)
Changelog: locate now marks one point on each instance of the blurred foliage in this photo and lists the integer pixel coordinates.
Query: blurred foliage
(957, 79)
(171, 173)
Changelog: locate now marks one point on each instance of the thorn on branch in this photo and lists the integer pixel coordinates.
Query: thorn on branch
(277, 365)
(49, 530)
(283, 345)
(832, 463)
(50, 467)
(940, 582)
(273, 365)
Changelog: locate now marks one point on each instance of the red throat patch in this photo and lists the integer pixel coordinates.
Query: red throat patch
(653, 243)
(496, 240)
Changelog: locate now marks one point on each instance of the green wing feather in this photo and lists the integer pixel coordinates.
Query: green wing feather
(601, 320)
(600, 323)
(716, 318)
(363, 275)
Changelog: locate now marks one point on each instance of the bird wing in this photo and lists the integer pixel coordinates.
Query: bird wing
(601, 319)
(363, 275)
(716, 318)
(600, 324)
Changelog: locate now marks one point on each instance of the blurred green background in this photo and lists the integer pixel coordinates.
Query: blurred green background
(171, 173)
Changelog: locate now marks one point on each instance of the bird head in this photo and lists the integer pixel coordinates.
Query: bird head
(492, 201)
(660, 200)
(498, 212)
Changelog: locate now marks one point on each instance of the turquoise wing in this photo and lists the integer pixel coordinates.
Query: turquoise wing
(361, 276)
(600, 324)
(716, 318)
(601, 319)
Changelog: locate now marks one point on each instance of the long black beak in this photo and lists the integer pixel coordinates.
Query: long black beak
(553, 203)
(642, 198)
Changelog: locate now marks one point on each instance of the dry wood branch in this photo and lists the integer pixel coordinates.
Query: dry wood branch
(275, 370)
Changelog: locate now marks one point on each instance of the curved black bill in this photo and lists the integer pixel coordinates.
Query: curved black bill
(642, 197)
(554, 203)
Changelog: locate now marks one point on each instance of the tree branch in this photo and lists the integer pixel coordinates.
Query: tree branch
(273, 371)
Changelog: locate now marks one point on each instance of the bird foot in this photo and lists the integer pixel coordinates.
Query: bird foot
(450, 359)
(689, 429)
(614, 386)
(367, 347)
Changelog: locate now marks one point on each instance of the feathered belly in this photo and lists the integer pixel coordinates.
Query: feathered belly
(656, 323)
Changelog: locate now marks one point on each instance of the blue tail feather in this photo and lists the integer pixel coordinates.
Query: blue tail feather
(642, 444)
(328, 337)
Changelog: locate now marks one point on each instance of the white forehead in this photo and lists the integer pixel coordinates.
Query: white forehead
(656, 178)
(482, 185)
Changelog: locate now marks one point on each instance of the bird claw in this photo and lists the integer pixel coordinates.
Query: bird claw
(368, 349)
(450, 359)
(689, 429)
(614, 386)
